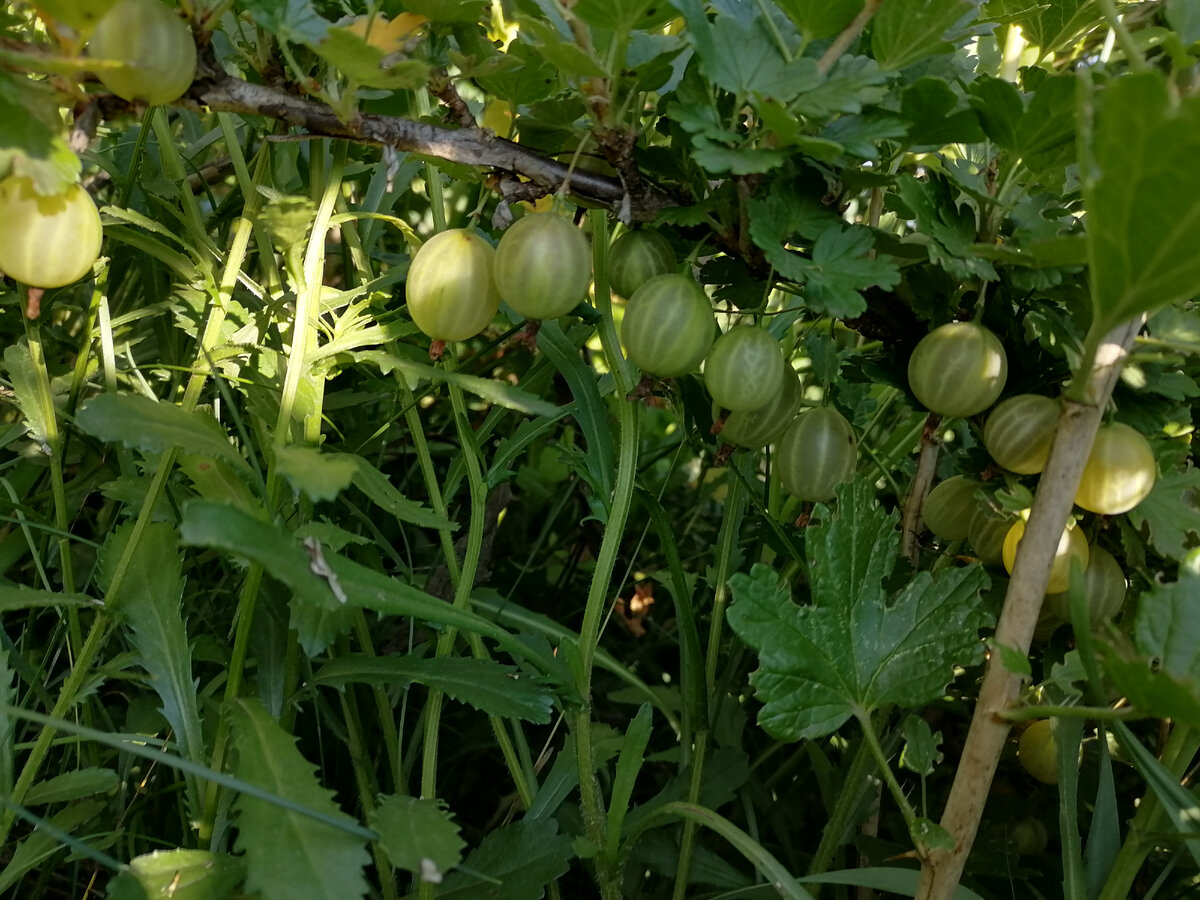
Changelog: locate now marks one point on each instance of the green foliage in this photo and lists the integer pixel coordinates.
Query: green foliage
(417, 835)
(148, 600)
(255, 523)
(486, 685)
(852, 650)
(287, 853)
(515, 862)
(153, 427)
(1141, 198)
(1165, 673)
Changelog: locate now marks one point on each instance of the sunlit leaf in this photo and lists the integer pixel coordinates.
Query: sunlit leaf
(1142, 190)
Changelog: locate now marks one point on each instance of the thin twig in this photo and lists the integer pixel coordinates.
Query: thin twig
(843, 41)
(910, 522)
(443, 88)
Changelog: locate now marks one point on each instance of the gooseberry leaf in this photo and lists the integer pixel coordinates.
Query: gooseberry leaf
(1050, 24)
(1171, 512)
(838, 270)
(623, 15)
(818, 19)
(949, 228)
(851, 648)
(905, 31)
(1184, 17)
(1163, 677)
(368, 65)
(936, 113)
(31, 142)
(852, 83)
(447, 10)
(1142, 192)
(289, 854)
(1000, 107)
(920, 753)
(291, 20)
(743, 57)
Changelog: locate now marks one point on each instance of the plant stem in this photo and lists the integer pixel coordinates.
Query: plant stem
(910, 525)
(621, 368)
(304, 327)
(597, 604)
(1103, 713)
(731, 522)
(889, 778)
(608, 875)
(843, 41)
(856, 783)
(101, 626)
(687, 843)
(462, 594)
(364, 777)
(54, 442)
(1177, 755)
(1133, 53)
(941, 871)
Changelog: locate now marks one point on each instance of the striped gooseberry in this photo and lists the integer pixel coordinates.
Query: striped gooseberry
(636, 257)
(1037, 751)
(543, 266)
(1072, 545)
(155, 47)
(1119, 473)
(668, 326)
(1018, 432)
(817, 452)
(765, 425)
(744, 369)
(958, 369)
(47, 241)
(949, 507)
(1104, 587)
(450, 290)
(985, 533)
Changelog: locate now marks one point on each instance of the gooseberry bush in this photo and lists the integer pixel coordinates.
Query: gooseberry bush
(620, 448)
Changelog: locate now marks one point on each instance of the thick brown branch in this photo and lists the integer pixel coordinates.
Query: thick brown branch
(1056, 490)
(469, 146)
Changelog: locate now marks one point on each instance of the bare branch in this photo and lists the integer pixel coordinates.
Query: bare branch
(469, 146)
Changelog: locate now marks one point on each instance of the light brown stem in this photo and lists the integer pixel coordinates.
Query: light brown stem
(1077, 424)
(910, 522)
(843, 41)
